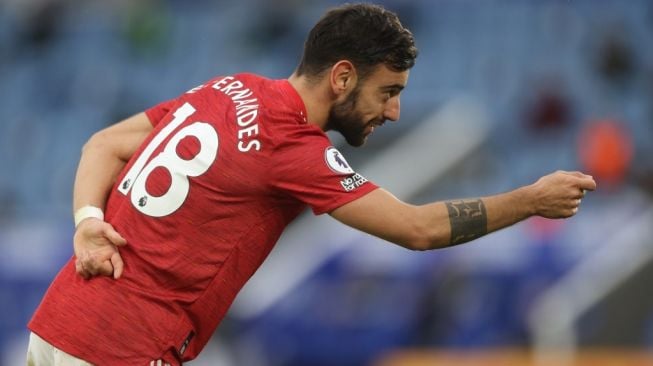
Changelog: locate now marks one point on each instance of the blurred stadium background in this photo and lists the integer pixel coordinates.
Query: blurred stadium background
(504, 91)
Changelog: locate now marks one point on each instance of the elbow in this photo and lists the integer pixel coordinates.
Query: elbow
(97, 140)
(102, 143)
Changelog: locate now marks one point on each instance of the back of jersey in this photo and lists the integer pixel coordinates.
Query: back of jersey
(196, 187)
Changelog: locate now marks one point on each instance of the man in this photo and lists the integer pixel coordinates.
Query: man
(201, 187)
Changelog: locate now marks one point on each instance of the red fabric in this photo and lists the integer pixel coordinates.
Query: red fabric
(183, 269)
(156, 113)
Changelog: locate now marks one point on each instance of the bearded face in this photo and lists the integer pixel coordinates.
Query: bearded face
(344, 118)
(368, 105)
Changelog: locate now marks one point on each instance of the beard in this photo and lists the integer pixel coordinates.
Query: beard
(344, 118)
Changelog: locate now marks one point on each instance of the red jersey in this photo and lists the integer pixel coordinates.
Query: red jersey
(202, 202)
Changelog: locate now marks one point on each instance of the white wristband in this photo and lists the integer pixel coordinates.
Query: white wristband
(87, 212)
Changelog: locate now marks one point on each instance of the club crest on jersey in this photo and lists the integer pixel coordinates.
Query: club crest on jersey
(336, 162)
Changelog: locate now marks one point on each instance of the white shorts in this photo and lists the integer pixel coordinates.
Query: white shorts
(42, 353)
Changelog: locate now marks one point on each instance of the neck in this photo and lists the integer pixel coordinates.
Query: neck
(315, 97)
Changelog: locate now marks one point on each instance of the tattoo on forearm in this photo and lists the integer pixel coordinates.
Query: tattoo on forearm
(468, 220)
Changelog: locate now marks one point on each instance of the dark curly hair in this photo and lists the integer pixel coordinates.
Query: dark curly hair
(365, 34)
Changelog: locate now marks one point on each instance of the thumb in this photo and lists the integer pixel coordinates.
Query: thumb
(588, 184)
(113, 236)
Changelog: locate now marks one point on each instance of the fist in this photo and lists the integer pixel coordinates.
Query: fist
(558, 195)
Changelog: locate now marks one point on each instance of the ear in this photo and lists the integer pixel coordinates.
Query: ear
(343, 77)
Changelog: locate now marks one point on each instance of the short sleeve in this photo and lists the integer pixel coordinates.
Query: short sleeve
(156, 113)
(312, 171)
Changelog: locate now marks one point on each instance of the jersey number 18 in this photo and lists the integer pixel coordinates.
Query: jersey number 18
(180, 169)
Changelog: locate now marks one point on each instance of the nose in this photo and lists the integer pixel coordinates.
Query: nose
(392, 109)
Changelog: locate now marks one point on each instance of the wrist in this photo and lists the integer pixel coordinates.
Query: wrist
(87, 212)
(527, 199)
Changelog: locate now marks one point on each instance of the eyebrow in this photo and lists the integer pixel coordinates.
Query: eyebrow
(393, 88)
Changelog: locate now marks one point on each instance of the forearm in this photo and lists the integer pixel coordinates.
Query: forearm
(97, 172)
(95, 241)
(442, 224)
(104, 156)
(469, 219)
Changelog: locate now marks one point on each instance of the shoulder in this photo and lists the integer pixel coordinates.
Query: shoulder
(294, 135)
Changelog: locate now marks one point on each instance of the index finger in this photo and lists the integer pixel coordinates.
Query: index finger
(577, 174)
(118, 265)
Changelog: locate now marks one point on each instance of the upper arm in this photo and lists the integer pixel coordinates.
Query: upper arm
(381, 214)
(307, 168)
(123, 138)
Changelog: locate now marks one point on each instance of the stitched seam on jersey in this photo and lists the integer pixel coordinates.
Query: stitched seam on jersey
(343, 200)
